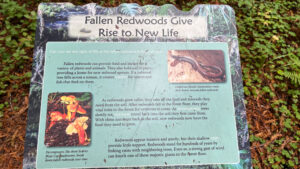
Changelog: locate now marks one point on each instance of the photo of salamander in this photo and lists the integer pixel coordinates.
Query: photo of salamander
(196, 66)
(68, 121)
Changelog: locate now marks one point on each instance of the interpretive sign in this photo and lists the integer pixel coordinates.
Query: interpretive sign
(136, 86)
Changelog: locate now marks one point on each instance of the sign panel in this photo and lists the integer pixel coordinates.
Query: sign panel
(136, 86)
(134, 115)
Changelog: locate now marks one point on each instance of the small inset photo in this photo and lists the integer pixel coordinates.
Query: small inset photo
(68, 121)
(196, 66)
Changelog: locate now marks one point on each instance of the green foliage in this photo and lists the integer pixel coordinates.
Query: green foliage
(84, 97)
(271, 69)
(16, 40)
(293, 76)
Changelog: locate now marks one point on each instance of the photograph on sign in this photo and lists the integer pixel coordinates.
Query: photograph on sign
(68, 119)
(196, 66)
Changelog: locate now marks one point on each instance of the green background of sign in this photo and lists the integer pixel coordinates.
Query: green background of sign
(221, 115)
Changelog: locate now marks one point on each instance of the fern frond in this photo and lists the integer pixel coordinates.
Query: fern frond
(296, 61)
(130, 9)
(293, 76)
